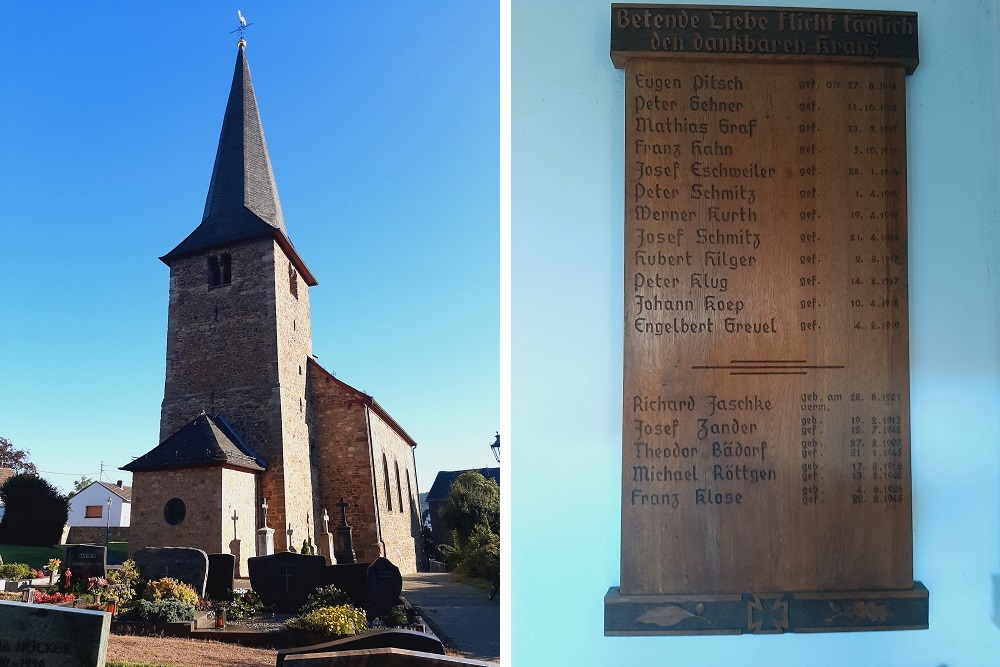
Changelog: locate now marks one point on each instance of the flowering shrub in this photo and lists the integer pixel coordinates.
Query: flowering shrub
(96, 585)
(53, 598)
(343, 620)
(170, 589)
(245, 605)
(53, 565)
(122, 582)
(328, 596)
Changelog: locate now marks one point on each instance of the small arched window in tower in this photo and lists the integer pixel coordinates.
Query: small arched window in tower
(399, 488)
(220, 270)
(388, 488)
(293, 281)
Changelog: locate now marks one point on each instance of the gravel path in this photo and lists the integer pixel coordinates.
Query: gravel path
(187, 652)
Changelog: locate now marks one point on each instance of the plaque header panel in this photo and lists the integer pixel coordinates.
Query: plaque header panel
(855, 37)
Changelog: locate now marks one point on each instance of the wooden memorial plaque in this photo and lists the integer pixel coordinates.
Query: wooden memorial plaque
(765, 447)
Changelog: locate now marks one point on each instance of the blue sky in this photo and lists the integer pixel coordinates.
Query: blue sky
(382, 124)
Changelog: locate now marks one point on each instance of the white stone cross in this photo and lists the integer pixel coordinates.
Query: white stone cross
(326, 521)
(264, 506)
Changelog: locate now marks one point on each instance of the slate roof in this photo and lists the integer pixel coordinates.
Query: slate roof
(207, 440)
(444, 480)
(242, 202)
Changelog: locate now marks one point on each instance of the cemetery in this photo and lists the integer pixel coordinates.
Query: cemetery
(298, 603)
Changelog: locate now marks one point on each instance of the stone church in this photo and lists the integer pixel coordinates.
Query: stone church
(248, 415)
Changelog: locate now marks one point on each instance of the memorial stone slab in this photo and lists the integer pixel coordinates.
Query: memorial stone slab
(409, 640)
(765, 422)
(285, 580)
(50, 636)
(86, 560)
(351, 578)
(181, 563)
(384, 583)
(221, 576)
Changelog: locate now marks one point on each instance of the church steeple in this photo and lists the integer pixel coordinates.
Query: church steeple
(242, 202)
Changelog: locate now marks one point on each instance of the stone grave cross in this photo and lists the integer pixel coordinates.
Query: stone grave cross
(326, 521)
(290, 532)
(264, 507)
(343, 511)
(236, 516)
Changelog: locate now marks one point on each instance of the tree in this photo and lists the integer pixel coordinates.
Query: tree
(15, 458)
(34, 511)
(81, 484)
(472, 501)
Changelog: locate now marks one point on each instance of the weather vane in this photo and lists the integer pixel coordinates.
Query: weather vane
(243, 27)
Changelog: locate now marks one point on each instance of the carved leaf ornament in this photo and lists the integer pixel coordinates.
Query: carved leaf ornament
(671, 614)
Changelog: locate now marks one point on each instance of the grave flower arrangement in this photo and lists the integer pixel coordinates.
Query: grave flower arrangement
(122, 583)
(42, 597)
(96, 587)
(53, 565)
(328, 611)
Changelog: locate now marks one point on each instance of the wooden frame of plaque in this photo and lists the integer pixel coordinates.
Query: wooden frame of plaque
(765, 444)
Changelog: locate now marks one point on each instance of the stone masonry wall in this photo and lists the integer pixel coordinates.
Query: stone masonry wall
(236, 350)
(201, 491)
(346, 433)
(400, 518)
(95, 534)
(342, 460)
(239, 494)
(294, 349)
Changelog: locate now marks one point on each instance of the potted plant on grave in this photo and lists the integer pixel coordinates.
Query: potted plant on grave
(52, 567)
(96, 587)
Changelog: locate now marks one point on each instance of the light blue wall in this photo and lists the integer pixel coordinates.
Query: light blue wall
(567, 183)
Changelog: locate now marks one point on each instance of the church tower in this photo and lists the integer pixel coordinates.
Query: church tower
(238, 330)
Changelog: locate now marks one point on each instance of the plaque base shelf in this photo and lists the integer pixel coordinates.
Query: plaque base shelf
(765, 613)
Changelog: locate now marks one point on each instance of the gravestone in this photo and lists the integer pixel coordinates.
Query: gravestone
(766, 427)
(380, 657)
(351, 578)
(409, 640)
(181, 563)
(383, 584)
(284, 580)
(86, 560)
(221, 576)
(33, 634)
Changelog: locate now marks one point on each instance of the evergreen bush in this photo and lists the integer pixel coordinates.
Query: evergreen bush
(35, 512)
(161, 611)
(15, 571)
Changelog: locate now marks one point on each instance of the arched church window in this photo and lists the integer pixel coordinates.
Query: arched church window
(399, 489)
(174, 511)
(220, 270)
(409, 491)
(388, 488)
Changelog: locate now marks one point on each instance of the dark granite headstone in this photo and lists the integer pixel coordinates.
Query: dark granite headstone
(350, 578)
(384, 584)
(180, 563)
(409, 640)
(284, 580)
(221, 571)
(86, 560)
(41, 634)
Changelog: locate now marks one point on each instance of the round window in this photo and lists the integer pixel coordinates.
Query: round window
(174, 511)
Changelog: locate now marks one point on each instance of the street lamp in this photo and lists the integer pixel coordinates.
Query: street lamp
(107, 528)
(496, 448)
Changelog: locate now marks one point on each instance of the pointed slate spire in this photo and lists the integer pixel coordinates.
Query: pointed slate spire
(242, 202)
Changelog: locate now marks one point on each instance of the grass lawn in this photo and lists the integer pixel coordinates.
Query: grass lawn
(35, 557)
